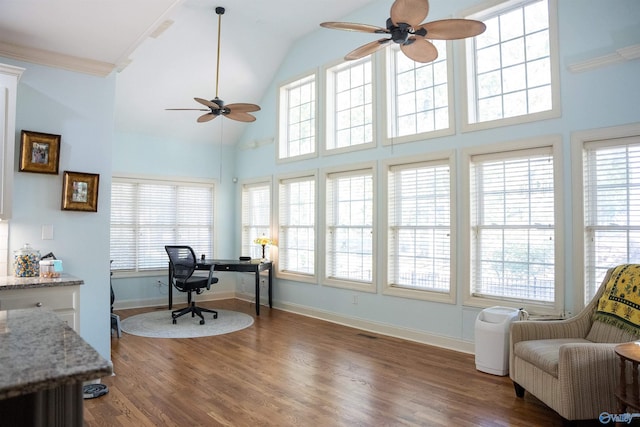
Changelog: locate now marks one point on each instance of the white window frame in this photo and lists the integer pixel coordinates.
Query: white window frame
(467, 97)
(556, 307)
(283, 111)
(368, 168)
(295, 275)
(389, 125)
(329, 73)
(589, 275)
(208, 250)
(249, 229)
(436, 159)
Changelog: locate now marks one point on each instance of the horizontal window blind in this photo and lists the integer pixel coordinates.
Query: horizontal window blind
(349, 222)
(420, 226)
(297, 222)
(611, 207)
(513, 225)
(146, 215)
(256, 216)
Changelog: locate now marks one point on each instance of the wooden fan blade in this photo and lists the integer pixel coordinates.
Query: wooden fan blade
(453, 29)
(187, 109)
(243, 108)
(206, 117)
(410, 12)
(366, 49)
(209, 104)
(421, 50)
(349, 26)
(240, 116)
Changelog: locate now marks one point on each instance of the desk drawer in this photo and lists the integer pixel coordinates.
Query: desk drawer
(55, 299)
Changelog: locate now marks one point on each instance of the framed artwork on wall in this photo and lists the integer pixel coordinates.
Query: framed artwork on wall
(39, 152)
(80, 191)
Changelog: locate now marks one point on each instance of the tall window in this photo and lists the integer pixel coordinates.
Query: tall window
(297, 226)
(256, 216)
(146, 215)
(419, 229)
(512, 66)
(419, 93)
(297, 119)
(513, 226)
(349, 226)
(349, 105)
(611, 207)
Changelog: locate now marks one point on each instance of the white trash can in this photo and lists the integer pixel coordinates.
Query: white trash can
(492, 339)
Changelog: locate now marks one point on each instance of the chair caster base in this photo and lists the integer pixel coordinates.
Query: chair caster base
(175, 321)
(202, 322)
(215, 316)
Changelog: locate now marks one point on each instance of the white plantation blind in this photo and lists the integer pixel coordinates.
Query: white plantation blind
(349, 221)
(419, 226)
(513, 226)
(256, 216)
(297, 225)
(611, 207)
(146, 215)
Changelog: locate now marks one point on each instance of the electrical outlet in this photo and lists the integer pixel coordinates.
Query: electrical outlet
(355, 300)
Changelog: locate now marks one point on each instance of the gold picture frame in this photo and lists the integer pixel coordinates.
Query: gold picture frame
(80, 191)
(39, 152)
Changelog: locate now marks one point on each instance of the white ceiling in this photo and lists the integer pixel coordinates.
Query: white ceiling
(165, 51)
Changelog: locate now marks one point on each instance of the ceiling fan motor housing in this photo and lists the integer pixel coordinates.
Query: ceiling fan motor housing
(400, 32)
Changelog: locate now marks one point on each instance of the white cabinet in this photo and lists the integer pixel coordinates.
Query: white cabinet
(9, 76)
(63, 300)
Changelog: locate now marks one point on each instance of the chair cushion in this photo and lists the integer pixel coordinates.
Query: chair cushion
(543, 354)
(619, 304)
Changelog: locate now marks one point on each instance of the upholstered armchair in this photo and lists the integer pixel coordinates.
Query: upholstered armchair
(570, 365)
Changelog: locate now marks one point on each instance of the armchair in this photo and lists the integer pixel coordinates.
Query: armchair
(182, 262)
(570, 365)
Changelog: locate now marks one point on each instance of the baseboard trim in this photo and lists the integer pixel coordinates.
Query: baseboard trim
(178, 298)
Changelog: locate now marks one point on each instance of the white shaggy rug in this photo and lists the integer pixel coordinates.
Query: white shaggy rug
(159, 324)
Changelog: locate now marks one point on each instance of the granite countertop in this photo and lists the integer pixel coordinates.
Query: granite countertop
(39, 351)
(12, 282)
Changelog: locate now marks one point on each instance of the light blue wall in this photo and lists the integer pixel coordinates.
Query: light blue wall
(602, 97)
(80, 109)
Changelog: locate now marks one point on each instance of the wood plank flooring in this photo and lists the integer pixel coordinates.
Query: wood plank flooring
(291, 370)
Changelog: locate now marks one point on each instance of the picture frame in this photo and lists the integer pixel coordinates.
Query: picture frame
(39, 152)
(80, 191)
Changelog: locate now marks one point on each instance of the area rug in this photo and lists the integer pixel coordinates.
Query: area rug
(158, 324)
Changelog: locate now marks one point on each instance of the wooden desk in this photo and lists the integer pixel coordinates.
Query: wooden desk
(627, 394)
(253, 266)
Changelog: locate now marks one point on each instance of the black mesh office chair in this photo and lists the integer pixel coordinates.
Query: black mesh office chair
(183, 263)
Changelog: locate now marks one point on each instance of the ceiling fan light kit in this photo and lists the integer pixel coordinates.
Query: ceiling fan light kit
(216, 106)
(405, 29)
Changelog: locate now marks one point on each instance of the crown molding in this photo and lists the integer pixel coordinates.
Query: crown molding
(620, 55)
(56, 60)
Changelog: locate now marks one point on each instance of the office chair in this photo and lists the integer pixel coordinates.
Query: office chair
(182, 261)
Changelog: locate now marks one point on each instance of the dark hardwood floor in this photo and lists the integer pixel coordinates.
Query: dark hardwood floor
(291, 370)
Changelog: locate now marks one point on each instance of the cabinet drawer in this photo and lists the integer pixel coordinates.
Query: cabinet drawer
(55, 299)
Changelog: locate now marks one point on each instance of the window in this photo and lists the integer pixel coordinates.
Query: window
(514, 226)
(349, 105)
(419, 229)
(420, 95)
(512, 66)
(349, 228)
(256, 216)
(611, 180)
(297, 227)
(297, 119)
(146, 215)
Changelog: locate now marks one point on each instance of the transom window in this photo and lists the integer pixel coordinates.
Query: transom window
(297, 119)
(297, 226)
(349, 105)
(511, 65)
(349, 226)
(146, 215)
(256, 216)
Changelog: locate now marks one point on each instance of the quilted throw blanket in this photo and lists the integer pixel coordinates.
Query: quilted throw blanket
(619, 305)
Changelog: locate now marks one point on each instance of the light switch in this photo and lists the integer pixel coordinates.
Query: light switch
(47, 232)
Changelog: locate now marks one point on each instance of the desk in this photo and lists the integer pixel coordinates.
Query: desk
(253, 266)
(627, 394)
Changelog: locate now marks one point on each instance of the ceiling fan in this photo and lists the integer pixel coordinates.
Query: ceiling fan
(216, 107)
(405, 29)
